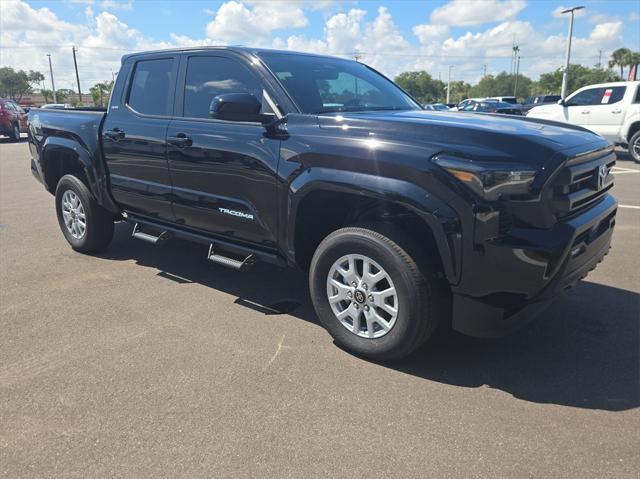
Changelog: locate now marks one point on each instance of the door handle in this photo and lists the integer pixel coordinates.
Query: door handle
(616, 111)
(585, 112)
(115, 134)
(180, 140)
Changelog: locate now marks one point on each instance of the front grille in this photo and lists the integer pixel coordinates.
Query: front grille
(582, 182)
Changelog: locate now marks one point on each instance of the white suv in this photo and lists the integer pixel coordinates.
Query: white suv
(612, 110)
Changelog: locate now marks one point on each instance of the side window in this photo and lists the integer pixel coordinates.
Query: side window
(209, 76)
(591, 96)
(149, 90)
(348, 90)
(613, 95)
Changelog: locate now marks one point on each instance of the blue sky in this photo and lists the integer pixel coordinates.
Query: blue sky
(392, 35)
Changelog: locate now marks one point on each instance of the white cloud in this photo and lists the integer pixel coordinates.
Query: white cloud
(430, 33)
(234, 21)
(115, 5)
(465, 13)
(27, 34)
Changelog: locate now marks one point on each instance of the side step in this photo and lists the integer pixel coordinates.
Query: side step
(149, 238)
(240, 265)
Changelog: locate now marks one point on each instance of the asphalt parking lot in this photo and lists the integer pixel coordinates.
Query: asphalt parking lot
(149, 362)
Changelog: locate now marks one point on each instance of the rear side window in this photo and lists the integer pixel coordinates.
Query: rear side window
(149, 91)
(613, 95)
(209, 76)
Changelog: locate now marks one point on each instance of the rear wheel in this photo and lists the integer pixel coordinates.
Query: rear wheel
(15, 132)
(370, 294)
(86, 225)
(634, 146)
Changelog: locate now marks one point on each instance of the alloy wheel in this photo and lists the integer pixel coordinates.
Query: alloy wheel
(73, 214)
(362, 296)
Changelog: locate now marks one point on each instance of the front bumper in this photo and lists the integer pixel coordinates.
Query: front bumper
(529, 268)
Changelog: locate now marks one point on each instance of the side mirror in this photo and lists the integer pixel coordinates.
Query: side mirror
(237, 107)
(561, 102)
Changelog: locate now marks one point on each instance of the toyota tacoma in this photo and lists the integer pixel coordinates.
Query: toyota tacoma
(405, 219)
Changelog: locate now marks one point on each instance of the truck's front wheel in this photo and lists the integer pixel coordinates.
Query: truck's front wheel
(86, 225)
(371, 295)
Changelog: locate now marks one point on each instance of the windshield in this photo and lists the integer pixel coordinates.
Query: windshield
(324, 85)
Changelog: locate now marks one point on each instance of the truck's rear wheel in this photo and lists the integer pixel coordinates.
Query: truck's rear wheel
(86, 225)
(634, 146)
(371, 295)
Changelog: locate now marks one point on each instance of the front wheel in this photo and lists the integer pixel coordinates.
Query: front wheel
(370, 294)
(634, 146)
(86, 225)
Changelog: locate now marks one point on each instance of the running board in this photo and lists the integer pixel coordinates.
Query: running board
(229, 246)
(149, 238)
(236, 264)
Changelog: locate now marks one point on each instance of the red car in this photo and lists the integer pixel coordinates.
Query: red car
(13, 119)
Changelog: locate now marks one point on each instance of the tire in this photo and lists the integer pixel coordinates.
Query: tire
(15, 133)
(634, 146)
(73, 200)
(416, 302)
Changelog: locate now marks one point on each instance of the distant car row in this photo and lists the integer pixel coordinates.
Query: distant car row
(507, 105)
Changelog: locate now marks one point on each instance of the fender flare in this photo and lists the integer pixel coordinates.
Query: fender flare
(73, 148)
(440, 218)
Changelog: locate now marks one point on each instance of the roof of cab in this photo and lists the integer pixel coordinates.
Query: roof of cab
(239, 49)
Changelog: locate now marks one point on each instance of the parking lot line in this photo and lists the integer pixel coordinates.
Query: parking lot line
(616, 170)
(633, 207)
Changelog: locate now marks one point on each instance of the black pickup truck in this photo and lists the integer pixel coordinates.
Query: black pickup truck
(404, 218)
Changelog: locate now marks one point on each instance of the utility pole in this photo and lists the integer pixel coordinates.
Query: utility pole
(565, 74)
(449, 86)
(515, 87)
(599, 59)
(53, 85)
(484, 70)
(75, 63)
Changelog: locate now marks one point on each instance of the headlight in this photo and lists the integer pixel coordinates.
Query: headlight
(490, 180)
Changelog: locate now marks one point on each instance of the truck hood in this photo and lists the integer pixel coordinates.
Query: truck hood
(475, 135)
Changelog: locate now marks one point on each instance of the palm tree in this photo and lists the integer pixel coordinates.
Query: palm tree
(620, 57)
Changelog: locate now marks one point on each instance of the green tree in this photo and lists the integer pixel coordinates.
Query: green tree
(502, 85)
(422, 86)
(459, 91)
(15, 84)
(100, 93)
(620, 57)
(63, 94)
(47, 95)
(579, 76)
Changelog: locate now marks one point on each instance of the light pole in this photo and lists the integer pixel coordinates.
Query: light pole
(565, 74)
(53, 85)
(449, 85)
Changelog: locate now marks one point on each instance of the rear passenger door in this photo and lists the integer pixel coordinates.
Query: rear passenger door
(608, 114)
(224, 172)
(134, 135)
